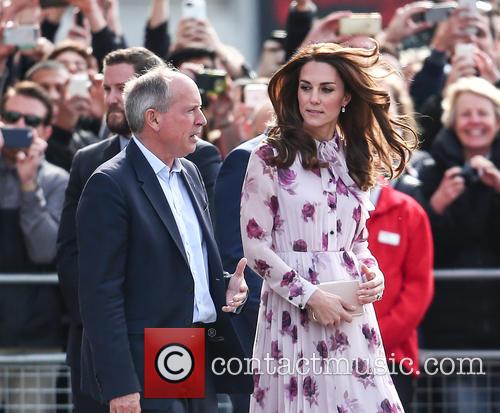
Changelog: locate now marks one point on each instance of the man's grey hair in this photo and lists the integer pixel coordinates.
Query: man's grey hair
(148, 91)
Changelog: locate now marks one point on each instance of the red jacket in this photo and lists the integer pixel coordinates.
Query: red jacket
(400, 238)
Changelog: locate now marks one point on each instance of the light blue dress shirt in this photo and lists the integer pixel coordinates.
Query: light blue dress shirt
(189, 228)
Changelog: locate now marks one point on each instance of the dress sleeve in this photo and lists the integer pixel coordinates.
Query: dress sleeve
(259, 206)
(360, 245)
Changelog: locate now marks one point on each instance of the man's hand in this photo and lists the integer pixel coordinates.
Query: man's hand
(326, 29)
(126, 404)
(237, 290)
(402, 24)
(27, 164)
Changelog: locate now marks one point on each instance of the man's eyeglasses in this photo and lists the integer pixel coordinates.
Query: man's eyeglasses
(10, 116)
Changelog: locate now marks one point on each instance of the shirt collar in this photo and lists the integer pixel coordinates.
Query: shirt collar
(156, 163)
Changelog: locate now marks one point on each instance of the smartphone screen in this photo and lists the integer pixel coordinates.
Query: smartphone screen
(17, 138)
(368, 24)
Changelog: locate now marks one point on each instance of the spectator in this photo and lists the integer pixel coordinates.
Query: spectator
(463, 176)
(75, 57)
(400, 238)
(31, 199)
(68, 134)
(461, 190)
(430, 83)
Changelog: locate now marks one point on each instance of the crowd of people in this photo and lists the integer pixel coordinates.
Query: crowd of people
(361, 156)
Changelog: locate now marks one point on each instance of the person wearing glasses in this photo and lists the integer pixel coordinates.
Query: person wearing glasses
(31, 201)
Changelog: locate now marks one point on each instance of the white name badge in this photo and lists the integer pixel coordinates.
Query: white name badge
(389, 238)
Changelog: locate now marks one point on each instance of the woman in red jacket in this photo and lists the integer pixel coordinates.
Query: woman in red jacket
(401, 240)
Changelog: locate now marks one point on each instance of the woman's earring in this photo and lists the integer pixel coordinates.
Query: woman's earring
(342, 109)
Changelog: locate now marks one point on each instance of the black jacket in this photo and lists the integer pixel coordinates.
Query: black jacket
(466, 235)
(463, 313)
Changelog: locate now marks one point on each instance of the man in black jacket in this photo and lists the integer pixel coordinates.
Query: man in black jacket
(119, 66)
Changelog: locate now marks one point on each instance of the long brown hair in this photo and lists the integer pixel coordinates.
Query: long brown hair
(372, 144)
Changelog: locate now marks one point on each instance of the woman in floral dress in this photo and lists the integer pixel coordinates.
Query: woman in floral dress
(303, 213)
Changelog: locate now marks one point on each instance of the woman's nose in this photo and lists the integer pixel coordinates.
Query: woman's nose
(314, 97)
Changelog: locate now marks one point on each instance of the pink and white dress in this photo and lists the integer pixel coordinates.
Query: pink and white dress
(301, 228)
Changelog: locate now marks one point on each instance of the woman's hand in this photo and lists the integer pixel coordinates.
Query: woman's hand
(373, 289)
(329, 309)
(451, 187)
(487, 171)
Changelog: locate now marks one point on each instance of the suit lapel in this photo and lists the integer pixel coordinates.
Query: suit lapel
(154, 193)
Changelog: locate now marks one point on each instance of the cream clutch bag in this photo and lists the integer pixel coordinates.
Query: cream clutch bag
(345, 290)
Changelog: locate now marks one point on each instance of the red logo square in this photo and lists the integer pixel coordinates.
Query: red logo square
(174, 363)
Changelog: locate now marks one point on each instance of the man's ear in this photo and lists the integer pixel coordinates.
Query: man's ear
(151, 119)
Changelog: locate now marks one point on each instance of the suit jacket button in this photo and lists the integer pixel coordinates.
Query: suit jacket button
(301, 306)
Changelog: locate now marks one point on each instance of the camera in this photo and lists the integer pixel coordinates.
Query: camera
(470, 175)
(210, 83)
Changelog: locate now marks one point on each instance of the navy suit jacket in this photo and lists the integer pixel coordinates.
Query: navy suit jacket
(228, 235)
(134, 274)
(206, 157)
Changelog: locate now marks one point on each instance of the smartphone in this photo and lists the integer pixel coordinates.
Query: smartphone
(466, 51)
(194, 9)
(470, 5)
(438, 13)
(255, 94)
(78, 85)
(53, 3)
(79, 18)
(368, 24)
(23, 36)
(17, 138)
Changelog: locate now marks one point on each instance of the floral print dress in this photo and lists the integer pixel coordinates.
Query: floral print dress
(301, 228)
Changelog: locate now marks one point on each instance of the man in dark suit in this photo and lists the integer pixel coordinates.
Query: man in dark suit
(147, 256)
(228, 234)
(119, 66)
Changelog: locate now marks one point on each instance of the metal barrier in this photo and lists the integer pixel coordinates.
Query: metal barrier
(458, 382)
(35, 383)
(43, 380)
